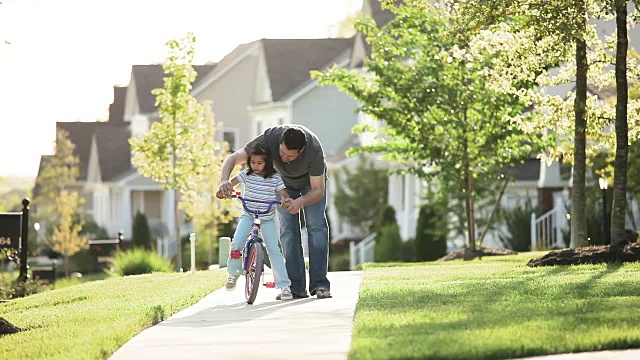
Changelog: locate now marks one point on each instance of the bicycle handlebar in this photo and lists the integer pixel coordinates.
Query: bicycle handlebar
(256, 212)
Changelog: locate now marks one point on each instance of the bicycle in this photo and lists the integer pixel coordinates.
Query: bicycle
(253, 252)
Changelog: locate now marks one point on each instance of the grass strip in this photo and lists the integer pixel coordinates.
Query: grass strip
(94, 319)
(494, 308)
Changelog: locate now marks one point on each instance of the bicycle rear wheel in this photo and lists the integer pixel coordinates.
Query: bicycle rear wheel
(256, 265)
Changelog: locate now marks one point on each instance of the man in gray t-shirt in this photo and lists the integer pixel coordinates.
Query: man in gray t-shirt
(298, 157)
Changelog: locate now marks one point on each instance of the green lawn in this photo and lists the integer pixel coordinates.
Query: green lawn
(494, 308)
(92, 320)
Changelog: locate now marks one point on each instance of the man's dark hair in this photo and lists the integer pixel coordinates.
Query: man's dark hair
(260, 149)
(294, 139)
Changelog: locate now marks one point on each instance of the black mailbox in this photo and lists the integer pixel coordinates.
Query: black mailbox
(10, 230)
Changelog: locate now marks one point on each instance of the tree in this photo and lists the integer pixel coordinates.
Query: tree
(177, 151)
(361, 193)
(66, 238)
(58, 170)
(141, 234)
(619, 207)
(542, 35)
(441, 119)
(200, 203)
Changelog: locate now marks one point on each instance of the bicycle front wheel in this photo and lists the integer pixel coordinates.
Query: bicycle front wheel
(256, 265)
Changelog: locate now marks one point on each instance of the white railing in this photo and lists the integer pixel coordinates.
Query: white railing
(361, 252)
(546, 230)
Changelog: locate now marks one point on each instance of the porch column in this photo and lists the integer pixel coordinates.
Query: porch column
(125, 210)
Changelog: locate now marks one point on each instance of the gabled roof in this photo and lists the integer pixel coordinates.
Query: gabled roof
(80, 134)
(289, 61)
(380, 16)
(114, 151)
(113, 146)
(149, 77)
(240, 52)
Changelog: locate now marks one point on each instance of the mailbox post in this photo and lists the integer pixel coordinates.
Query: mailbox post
(192, 239)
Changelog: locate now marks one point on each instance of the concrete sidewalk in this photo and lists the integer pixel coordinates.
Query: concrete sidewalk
(223, 326)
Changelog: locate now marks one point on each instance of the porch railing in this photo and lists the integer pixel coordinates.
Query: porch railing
(361, 252)
(547, 230)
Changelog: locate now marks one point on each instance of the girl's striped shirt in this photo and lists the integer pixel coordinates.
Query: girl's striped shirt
(258, 188)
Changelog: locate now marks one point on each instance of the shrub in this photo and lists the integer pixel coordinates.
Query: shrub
(517, 221)
(141, 234)
(431, 233)
(408, 253)
(388, 246)
(17, 288)
(386, 216)
(139, 261)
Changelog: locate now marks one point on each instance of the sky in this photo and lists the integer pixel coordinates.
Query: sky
(59, 60)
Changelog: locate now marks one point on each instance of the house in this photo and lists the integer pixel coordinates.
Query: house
(112, 189)
(266, 82)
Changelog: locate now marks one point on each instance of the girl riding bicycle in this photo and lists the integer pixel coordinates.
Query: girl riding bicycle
(261, 182)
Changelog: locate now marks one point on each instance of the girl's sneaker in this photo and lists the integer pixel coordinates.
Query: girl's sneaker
(285, 294)
(231, 282)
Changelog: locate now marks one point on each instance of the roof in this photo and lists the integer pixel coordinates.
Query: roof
(114, 151)
(289, 61)
(116, 109)
(149, 77)
(223, 65)
(380, 16)
(80, 134)
(529, 170)
(113, 146)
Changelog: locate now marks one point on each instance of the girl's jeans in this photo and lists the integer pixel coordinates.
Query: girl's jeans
(318, 238)
(268, 229)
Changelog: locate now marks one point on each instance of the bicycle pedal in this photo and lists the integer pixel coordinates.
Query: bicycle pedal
(270, 284)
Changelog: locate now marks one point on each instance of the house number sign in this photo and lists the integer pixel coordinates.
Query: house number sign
(10, 230)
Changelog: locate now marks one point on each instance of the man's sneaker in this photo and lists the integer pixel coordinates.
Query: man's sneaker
(231, 282)
(285, 294)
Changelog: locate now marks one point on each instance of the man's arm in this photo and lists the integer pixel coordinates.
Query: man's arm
(316, 193)
(228, 164)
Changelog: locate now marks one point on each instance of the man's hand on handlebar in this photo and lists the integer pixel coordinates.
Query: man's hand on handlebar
(225, 190)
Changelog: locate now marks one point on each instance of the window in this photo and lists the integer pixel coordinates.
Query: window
(231, 137)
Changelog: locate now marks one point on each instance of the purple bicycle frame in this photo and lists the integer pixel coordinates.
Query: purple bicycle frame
(256, 223)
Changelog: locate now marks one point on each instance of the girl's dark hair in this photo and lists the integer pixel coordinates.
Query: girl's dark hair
(261, 149)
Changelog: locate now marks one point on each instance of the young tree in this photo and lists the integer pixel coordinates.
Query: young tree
(361, 193)
(58, 170)
(434, 99)
(66, 238)
(177, 151)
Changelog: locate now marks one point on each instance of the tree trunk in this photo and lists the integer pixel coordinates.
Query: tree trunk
(468, 194)
(472, 213)
(177, 223)
(66, 266)
(618, 210)
(578, 198)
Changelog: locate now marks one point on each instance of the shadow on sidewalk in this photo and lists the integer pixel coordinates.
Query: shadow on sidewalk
(231, 314)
